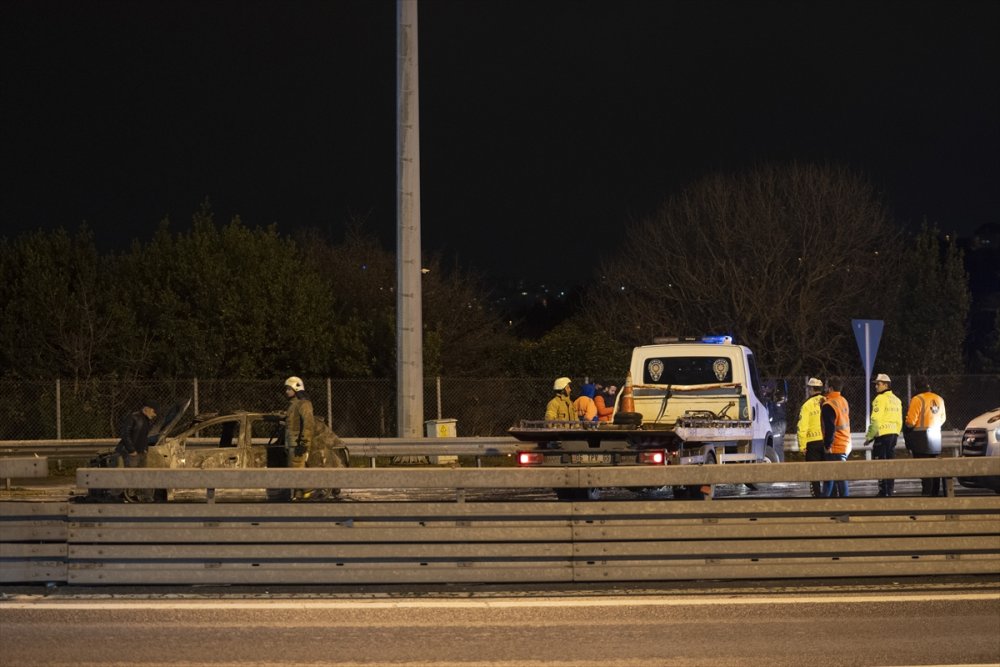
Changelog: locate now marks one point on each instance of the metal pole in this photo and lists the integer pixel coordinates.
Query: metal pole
(409, 322)
(58, 409)
(439, 396)
(329, 402)
(868, 383)
(195, 390)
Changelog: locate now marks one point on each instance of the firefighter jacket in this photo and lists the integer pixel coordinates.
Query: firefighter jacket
(926, 411)
(836, 421)
(810, 429)
(887, 415)
(300, 423)
(560, 408)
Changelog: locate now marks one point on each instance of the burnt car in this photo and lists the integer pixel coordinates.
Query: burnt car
(227, 440)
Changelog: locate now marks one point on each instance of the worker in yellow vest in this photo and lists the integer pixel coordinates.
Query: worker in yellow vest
(886, 425)
(810, 433)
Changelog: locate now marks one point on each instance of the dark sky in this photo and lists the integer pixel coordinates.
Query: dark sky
(545, 125)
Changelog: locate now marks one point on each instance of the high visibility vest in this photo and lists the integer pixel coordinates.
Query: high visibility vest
(810, 426)
(926, 411)
(841, 443)
(887, 415)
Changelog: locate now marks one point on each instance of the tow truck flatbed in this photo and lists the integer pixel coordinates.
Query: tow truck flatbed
(689, 430)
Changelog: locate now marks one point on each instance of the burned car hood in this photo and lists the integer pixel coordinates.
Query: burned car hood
(167, 426)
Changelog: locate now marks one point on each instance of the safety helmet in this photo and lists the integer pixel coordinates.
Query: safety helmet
(295, 383)
(814, 382)
(560, 384)
(882, 377)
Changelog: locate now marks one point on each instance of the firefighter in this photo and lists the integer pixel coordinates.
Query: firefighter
(924, 418)
(560, 407)
(835, 420)
(886, 424)
(810, 434)
(300, 426)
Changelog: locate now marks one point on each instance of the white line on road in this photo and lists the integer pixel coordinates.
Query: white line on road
(48, 603)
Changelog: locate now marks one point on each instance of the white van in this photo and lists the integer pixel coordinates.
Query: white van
(982, 438)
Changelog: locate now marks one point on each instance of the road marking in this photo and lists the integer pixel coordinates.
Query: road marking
(509, 603)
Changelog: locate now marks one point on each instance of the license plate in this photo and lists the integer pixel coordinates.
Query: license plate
(591, 459)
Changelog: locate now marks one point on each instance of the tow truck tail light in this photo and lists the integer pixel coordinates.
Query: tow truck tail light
(654, 457)
(529, 459)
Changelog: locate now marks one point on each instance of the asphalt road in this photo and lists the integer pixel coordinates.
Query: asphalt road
(913, 623)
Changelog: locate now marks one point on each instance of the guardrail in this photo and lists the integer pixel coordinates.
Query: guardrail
(510, 541)
(375, 447)
(21, 467)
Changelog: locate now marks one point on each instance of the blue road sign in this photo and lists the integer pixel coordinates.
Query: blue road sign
(868, 333)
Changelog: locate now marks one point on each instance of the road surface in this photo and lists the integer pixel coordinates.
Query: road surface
(891, 623)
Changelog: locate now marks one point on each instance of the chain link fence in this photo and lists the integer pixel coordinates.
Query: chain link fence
(41, 410)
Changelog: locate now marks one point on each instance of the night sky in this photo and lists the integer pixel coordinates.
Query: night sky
(545, 125)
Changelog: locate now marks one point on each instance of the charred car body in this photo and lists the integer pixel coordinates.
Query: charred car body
(227, 440)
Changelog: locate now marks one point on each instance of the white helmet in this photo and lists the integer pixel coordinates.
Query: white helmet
(295, 383)
(560, 384)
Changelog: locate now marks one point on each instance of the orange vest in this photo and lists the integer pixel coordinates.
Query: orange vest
(926, 411)
(841, 424)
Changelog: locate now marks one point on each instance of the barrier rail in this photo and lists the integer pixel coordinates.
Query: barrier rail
(21, 467)
(444, 541)
(375, 447)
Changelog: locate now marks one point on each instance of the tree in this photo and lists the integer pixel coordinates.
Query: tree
(928, 321)
(228, 302)
(462, 335)
(781, 257)
(62, 314)
(573, 348)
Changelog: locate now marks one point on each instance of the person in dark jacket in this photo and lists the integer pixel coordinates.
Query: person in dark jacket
(134, 445)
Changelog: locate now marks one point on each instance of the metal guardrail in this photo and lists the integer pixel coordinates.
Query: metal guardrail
(376, 447)
(22, 467)
(378, 542)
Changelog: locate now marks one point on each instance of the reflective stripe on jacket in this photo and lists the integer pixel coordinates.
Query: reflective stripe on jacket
(839, 441)
(810, 429)
(887, 415)
(926, 411)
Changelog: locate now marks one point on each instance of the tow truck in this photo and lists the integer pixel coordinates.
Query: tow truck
(695, 401)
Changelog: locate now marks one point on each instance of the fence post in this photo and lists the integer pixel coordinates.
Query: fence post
(58, 409)
(195, 390)
(329, 402)
(439, 396)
